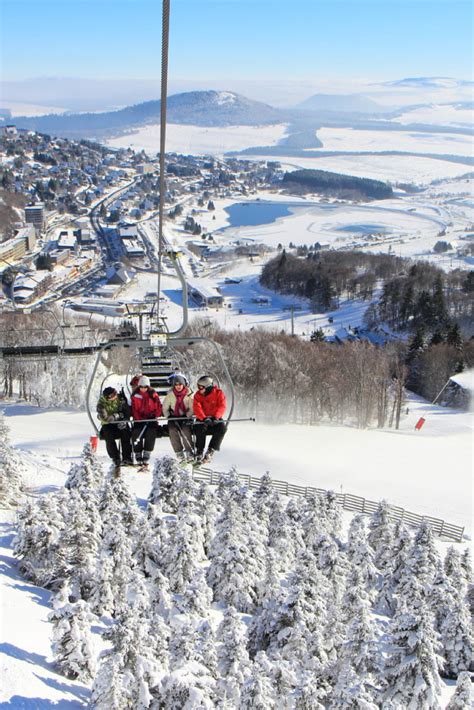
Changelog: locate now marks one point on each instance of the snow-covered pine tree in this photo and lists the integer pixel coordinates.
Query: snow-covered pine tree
(88, 473)
(284, 680)
(281, 540)
(233, 661)
(230, 574)
(102, 599)
(361, 647)
(455, 572)
(189, 683)
(333, 563)
(72, 639)
(264, 621)
(82, 537)
(308, 694)
(361, 554)
(183, 551)
(208, 508)
(457, 638)
(164, 488)
(381, 534)
(440, 596)
(258, 690)
(117, 545)
(11, 469)
(197, 596)
(311, 519)
(331, 511)
(130, 668)
(39, 542)
(402, 543)
(411, 675)
(423, 558)
(262, 502)
(462, 697)
(350, 691)
(206, 652)
(153, 544)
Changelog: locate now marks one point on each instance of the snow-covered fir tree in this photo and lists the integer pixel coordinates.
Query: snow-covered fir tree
(463, 696)
(184, 550)
(361, 555)
(455, 571)
(457, 638)
(413, 664)
(166, 476)
(381, 534)
(231, 572)
(11, 469)
(130, 669)
(351, 692)
(258, 691)
(189, 683)
(88, 473)
(232, 658)
(72, 640)
(197, 596)
(82, 537)
(308, 695)
(38, 543)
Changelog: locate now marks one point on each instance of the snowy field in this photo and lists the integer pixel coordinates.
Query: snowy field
(200, 140)
(439, 114)
(349, 139)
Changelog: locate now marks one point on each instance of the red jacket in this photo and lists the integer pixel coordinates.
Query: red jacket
(146, 406)
(209, 405)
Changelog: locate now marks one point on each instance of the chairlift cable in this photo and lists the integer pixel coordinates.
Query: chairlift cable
(164, 91)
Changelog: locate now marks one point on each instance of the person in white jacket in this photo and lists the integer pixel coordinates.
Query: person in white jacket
(178, 408)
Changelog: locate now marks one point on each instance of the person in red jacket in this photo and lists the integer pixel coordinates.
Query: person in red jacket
(209, 407)
(145, 405)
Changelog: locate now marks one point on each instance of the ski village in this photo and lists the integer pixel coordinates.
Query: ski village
(236, 376)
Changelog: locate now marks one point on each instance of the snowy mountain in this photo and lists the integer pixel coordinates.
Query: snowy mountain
(432, 82)
(199, 108)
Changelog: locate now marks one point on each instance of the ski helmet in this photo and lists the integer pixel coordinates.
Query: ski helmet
(205, 381)
(109, 391)
(144, 381)
(178, 379)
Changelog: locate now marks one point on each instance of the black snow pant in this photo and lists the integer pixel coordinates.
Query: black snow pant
(217, 431)
(144, 436)
(109, 433)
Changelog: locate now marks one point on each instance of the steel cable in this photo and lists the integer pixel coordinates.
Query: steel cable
(164, 92)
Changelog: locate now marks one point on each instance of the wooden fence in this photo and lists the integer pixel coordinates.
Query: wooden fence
(348, 501)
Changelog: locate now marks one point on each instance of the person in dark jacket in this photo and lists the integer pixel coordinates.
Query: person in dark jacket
(114, 414)
(146, 405)
(209, 405)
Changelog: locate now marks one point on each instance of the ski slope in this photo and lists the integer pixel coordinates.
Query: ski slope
(408, 468)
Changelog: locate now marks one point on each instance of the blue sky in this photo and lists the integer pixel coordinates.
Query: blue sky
(244, 39)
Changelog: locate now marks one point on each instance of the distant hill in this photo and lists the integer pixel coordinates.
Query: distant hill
(429, 82)
(198, 108)
(341, 103)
